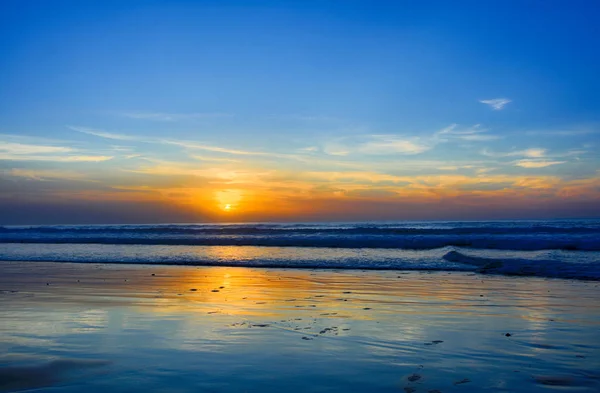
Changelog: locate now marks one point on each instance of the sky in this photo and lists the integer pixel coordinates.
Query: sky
(236, 111)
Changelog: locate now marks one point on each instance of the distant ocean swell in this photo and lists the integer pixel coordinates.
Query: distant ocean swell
(530, 243)
(561, 249)
(578, 235)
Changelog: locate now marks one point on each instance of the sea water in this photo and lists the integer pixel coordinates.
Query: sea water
(553, 248)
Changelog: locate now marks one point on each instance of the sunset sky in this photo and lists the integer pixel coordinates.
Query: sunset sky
(192, 111)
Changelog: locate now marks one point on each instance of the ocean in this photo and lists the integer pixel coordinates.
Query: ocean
(553, 248)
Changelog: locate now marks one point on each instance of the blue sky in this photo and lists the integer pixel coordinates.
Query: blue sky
(299, 109)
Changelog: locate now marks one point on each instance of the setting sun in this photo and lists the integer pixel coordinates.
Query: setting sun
(228, 200)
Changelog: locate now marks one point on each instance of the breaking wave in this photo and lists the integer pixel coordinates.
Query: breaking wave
(561, 249)
(581, 235)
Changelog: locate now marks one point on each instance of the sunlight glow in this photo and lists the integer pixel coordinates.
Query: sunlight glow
(228, 200)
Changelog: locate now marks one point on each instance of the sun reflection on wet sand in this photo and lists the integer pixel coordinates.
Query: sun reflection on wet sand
(395, 321)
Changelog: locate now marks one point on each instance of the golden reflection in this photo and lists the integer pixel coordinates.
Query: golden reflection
(207, 301)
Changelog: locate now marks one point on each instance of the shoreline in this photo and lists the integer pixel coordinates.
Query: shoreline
(481, 270)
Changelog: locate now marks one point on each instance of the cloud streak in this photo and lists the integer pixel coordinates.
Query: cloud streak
(496, 104)
(104, 134)
(537, 163)
(534, 152)
(74, 158)
(22, 148)
(473, 134)
(391, 144)
(192, 145)
(34, 152)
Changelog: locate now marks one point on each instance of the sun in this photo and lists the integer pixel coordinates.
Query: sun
(228, 200)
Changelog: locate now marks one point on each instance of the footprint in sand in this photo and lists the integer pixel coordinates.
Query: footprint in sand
(465, 380)
(414, 377)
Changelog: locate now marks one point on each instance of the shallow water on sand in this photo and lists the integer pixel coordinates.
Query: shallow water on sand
(122, 328)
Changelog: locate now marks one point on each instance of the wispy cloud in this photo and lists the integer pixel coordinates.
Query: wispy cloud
(536, 157)
(200, 146)
(30, 152)
(536, 153)
(387, 144)
(74, 158)
(103, 134)
(49, 151)
(192, 145)
(309, 149)
(530, 153)
(162, 116)
(391, 144)
(376, 145)
(213, 159)
(458, 167)
(496, 103)
(533, 163)
(22, 148)
(473, 133)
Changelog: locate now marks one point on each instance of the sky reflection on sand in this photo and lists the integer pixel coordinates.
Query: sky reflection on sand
(235, 329)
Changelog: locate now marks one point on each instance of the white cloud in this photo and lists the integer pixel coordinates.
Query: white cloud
(533, 163)
(530, 153)
(391, 144)
(22, 148)
(496, 103)
(27, 157)
(185, 144)
(309, 149)
(103, 134)
(199, 146)
(213, 159)
(375, 145)
(474, 133)
(17, 151)
(336, 149)
(191, 145)
(536, 153)
(385, 144)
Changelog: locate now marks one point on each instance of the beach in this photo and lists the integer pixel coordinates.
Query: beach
(92, 327)
(299, 196)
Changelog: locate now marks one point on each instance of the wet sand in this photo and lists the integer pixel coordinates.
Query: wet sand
(122, 328)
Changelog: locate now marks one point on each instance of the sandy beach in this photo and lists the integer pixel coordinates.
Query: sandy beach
(98, 327)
